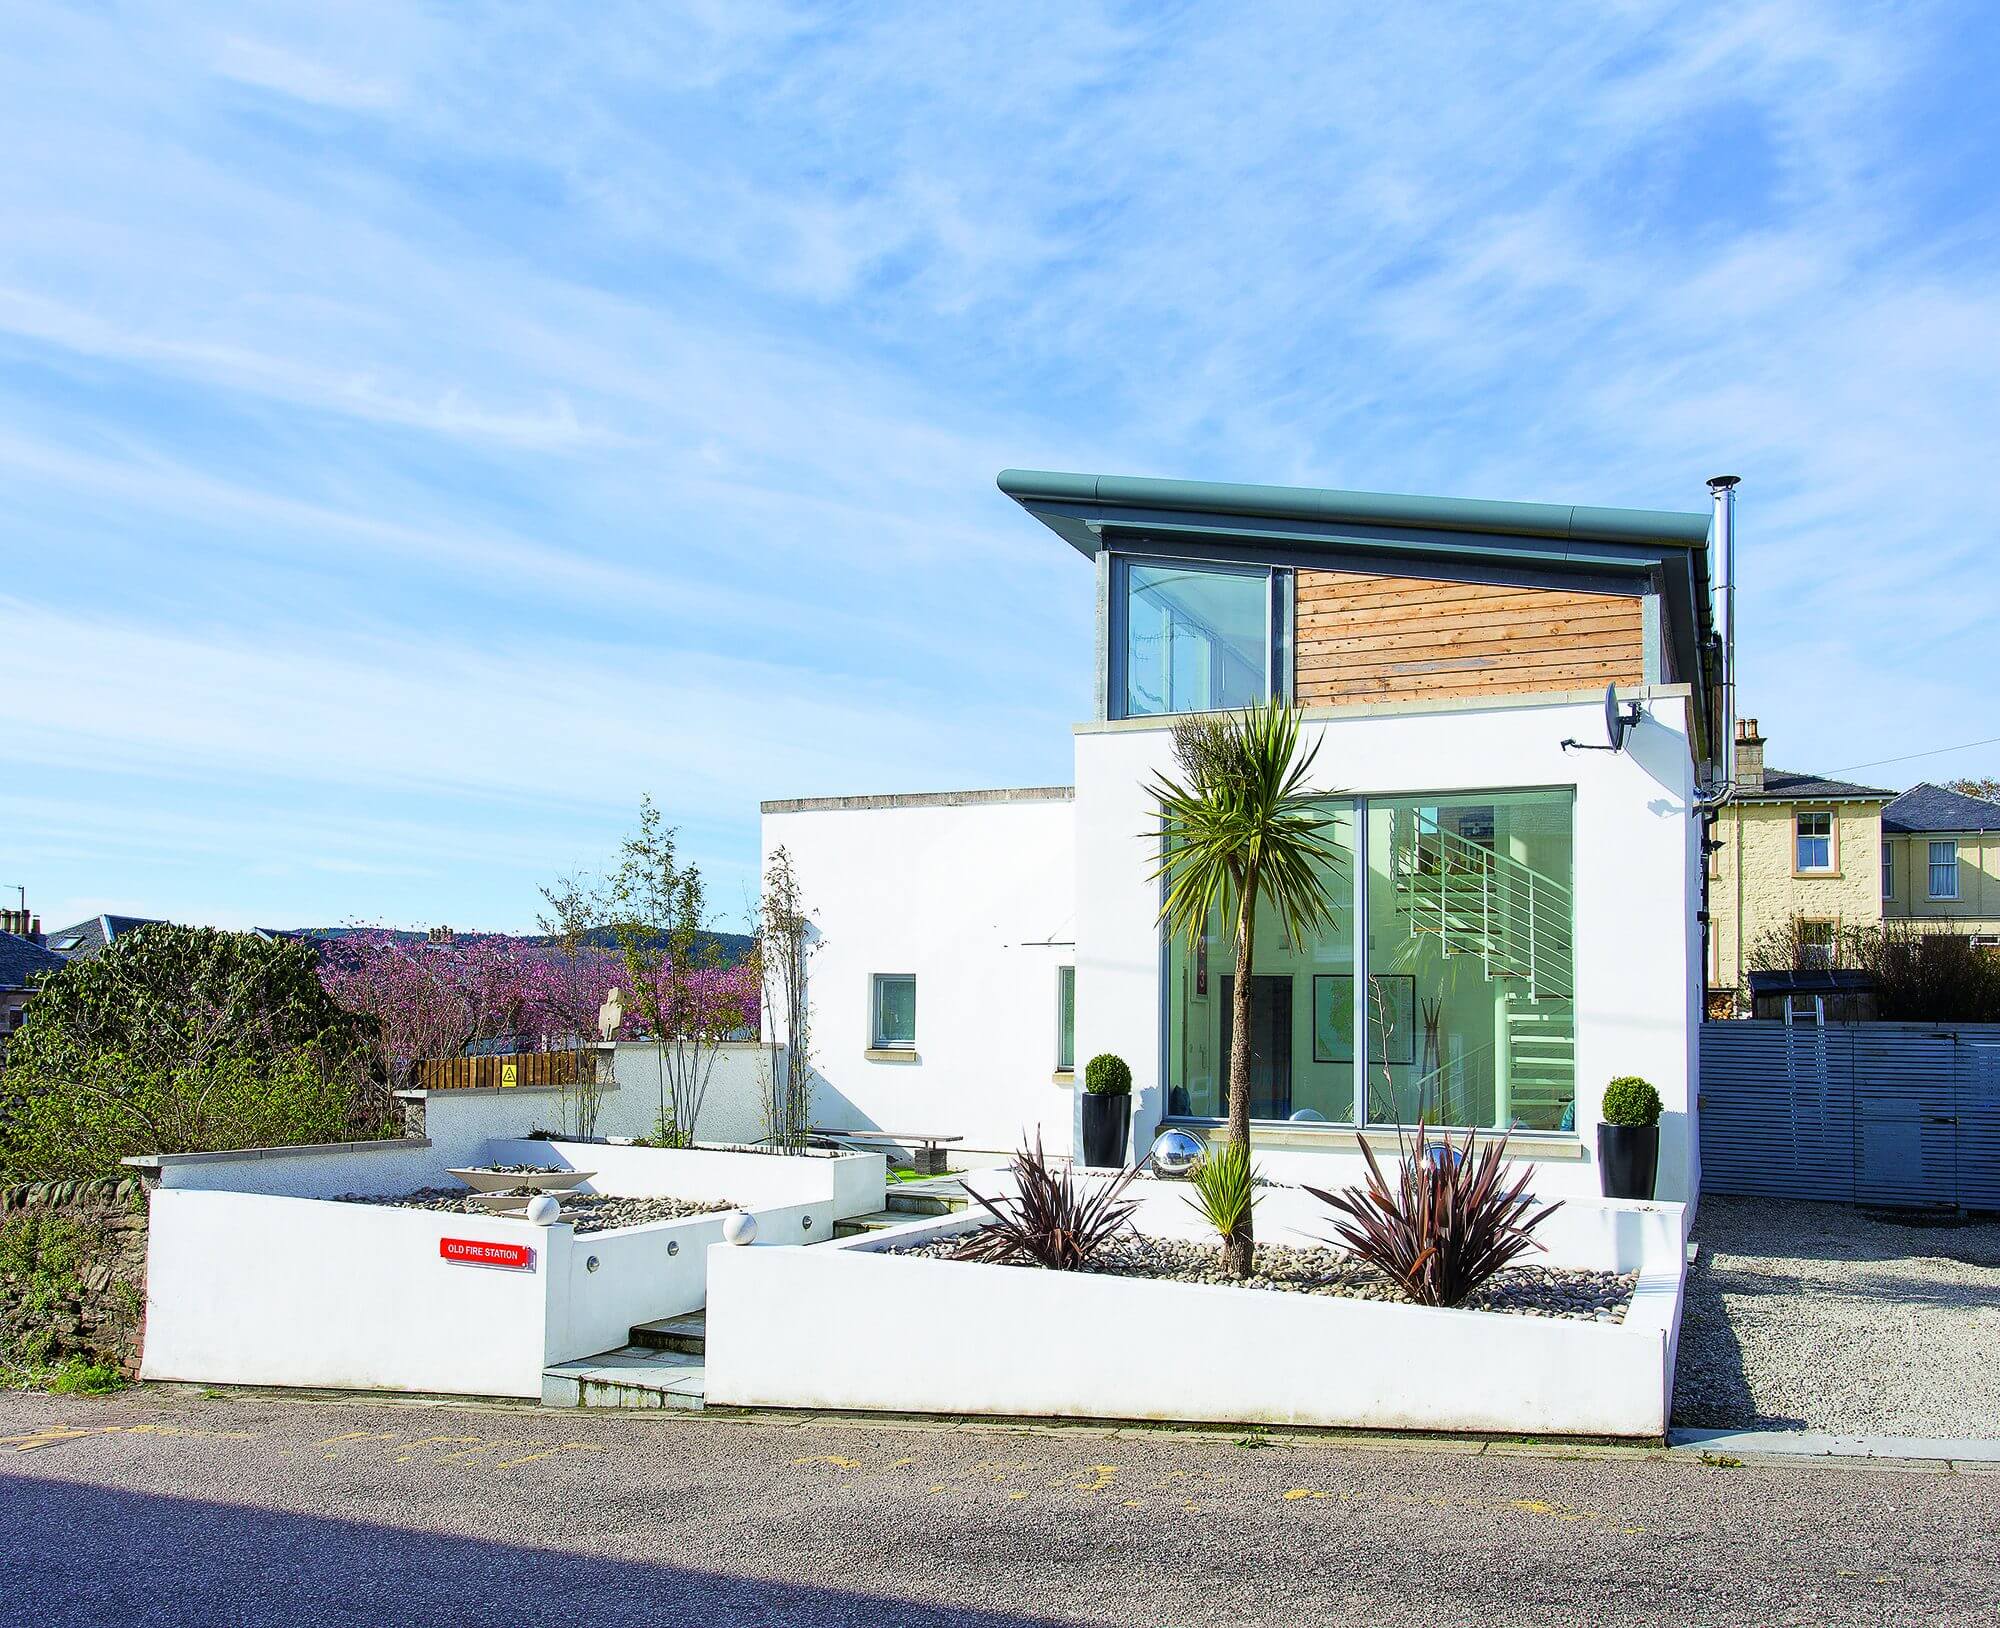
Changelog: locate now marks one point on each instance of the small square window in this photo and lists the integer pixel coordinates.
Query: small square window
(1065, 1020)
(1814, 841)
(894, 1024)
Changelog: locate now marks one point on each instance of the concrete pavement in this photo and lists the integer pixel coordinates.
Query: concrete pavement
(167, 1507)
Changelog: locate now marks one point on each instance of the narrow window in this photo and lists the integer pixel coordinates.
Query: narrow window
(1816, 945)
(895, 1021)
(1814, 841)
(1065, 1020)
(1888, 870)
(1944, 869)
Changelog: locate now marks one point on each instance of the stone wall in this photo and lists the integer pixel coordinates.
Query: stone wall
(72, 1274)
(1753, 887)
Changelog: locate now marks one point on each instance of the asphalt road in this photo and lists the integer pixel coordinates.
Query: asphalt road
(172, 1508)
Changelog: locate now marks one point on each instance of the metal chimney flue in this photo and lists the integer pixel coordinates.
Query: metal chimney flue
(1722, 490)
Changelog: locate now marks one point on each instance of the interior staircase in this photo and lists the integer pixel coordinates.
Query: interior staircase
(664, 1363)
(1472, 900)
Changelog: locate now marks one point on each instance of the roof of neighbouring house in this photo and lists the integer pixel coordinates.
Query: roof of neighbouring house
(1925, 807)
(1789, 786)
(88, 937)
(24, 963)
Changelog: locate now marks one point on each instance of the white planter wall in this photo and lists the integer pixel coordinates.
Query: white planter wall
(823, 1328)
(253, 1279)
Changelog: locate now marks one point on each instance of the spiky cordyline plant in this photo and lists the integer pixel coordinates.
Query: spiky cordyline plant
(1448, 1225)
(1225, 1189)
(1054, 1220)
(1241, 828)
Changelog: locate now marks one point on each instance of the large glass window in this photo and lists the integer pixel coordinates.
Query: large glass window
(1190, 638)
(1468, 1002)
(1297, 1068)
(894, 1021)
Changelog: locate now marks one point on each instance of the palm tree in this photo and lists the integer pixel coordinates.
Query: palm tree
(1241, 828)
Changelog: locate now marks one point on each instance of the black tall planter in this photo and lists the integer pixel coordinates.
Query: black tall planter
(1106, 1120)
(1628, 1158)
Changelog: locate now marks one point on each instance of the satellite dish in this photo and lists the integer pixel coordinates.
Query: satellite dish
(1618, 723)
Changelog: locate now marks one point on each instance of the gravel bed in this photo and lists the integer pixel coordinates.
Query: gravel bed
(1818, 1317)
(587, 1212)
(1522, 1291)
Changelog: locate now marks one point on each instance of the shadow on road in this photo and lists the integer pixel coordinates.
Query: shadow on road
(73, 1553)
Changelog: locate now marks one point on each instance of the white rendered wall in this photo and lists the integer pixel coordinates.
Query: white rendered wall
(975, 899)
(824, 1328)
(841, 1184)
(1637, 886)
(731, 1111)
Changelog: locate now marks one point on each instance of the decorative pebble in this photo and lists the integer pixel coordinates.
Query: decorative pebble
(1521, 1291)
(586, 1212)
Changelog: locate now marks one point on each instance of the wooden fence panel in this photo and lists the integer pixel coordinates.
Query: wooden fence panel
(499, 1071)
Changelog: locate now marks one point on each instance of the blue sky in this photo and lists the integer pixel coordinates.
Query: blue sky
(422, 430)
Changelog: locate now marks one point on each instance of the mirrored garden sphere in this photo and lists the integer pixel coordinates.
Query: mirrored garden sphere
(1175, 1152)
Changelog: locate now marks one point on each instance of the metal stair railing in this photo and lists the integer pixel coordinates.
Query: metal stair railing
(1478, 901)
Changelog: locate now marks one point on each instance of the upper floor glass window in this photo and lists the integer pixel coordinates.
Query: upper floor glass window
(1189, 637)
(1814, 841)
(1944, 870)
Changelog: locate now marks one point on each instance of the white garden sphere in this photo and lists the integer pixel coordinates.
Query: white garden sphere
(544, 1208)
(739, 1228)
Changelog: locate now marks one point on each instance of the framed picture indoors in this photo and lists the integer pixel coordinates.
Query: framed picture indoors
(1395, 1013)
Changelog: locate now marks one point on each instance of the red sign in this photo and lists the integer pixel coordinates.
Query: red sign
(475, 1252)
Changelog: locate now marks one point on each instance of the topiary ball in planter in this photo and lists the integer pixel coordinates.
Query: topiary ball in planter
(1628, 1138)
(1107, 1110)
(1107, 1075)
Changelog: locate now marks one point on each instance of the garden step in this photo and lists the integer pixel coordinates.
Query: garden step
(687, 1333)
(855, 1225)
(632, 1376)
(928, 1201)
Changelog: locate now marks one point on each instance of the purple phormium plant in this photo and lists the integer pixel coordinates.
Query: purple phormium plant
(1448, 1224)
(1055, 1221)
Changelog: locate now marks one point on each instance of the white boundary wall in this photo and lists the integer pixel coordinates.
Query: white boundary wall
(253, 1279)
(977, 899)
(824, 1328)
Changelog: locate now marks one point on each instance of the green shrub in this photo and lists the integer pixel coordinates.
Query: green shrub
(80, 1124)
(183, 1039)
(1629, 1100)
(1107, 1075)
(1225, 1187)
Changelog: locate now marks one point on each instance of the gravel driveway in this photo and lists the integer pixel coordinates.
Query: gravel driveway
(1817, 1317)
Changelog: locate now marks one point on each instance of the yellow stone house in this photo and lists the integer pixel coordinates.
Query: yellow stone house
(1828, 855)
(1789, 847)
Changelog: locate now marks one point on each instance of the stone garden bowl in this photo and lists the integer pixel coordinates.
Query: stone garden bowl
(482, 1180)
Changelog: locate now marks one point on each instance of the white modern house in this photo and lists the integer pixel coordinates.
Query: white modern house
(1520, 908)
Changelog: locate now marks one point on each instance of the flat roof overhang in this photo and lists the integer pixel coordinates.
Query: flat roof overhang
(1471, 539)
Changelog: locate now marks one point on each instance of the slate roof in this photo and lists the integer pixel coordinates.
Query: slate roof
(1789, 786)
(92, 934)
(23, 963)
(1925, 807)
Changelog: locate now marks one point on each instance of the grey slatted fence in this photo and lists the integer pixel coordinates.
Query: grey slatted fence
(1904, 1114)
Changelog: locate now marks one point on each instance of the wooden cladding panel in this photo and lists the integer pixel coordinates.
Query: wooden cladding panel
(1369, 638)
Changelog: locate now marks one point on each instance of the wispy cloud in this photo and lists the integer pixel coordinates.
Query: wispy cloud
(393, 399)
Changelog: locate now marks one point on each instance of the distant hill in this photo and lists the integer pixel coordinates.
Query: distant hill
(730, 948)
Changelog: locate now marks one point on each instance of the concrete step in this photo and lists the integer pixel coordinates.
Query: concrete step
(687, 1333)
(633, 1376)
(855, 1225)
(912, 1199)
